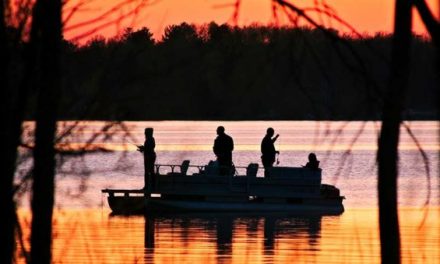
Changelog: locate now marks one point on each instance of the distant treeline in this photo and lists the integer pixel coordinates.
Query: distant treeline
(221, 72)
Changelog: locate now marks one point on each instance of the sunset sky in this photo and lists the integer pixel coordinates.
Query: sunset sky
(366, 16)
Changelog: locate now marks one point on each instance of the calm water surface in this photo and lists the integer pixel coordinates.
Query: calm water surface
(84, 232)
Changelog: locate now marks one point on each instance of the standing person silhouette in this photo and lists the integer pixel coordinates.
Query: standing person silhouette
(268, 150)
(149, 156)
(223, 147)
(313, 162)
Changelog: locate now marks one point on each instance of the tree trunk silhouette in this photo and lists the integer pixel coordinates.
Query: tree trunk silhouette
(12, 115)
(48, 17)
(8, 151)
(389, 134)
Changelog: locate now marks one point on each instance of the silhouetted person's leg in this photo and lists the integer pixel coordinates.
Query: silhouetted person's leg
(145, 173)
(150, 170)
(267, 165)
(224, 167)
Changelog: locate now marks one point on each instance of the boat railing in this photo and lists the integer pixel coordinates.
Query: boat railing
(252, 170)
(178, 170)
(172, 168)
(172, 179)
(181, 169)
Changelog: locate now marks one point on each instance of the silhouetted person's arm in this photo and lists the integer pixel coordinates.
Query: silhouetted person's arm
(215, 148)
(152, 145)
(273, 141)
(232, 144)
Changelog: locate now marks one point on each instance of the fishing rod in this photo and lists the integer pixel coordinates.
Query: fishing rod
(139, 147)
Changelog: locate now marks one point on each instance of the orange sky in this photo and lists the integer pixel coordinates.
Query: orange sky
(367, 16)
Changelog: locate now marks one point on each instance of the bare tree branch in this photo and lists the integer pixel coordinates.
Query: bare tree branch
(431, 24)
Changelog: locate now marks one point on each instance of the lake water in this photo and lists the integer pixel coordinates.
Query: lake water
(84, 232)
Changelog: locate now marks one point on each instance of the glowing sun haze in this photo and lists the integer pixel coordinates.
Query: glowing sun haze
(366, 16)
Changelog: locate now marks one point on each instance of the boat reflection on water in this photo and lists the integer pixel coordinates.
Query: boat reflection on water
(236, 218)
(229, 235)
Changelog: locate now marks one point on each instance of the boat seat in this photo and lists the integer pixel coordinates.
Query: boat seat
(212, 168)
(183, 169)
(251, 170)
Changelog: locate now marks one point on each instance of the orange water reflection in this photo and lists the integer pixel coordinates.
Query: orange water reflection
(92, 236)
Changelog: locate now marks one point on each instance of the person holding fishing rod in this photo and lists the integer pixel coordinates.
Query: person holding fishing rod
(149, 156)
(268, 150)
